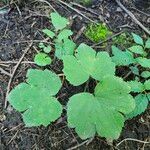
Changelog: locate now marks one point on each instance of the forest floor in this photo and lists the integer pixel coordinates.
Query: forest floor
(21, 26)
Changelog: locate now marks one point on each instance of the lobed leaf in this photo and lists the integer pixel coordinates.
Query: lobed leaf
(144, 62)
(134, 70)
(42, 59)
(147, 84)
(136, 86)
(87, 63)
(49, 33)
(122, 58)
(141, 103)
(137, 49)
(102, 113)
(138, 39)
(35, 98)
(58, 21)
(145, 74)
(147, 44)
(63, 48)
(64, 34)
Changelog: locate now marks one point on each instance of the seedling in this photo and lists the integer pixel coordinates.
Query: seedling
(42, 59)
(60, 36)
(136, 55)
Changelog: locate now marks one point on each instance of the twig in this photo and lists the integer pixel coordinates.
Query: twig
(13, 73)
(79, 33)
(130, 139)
(133, 17)
(76, 10)
(15, 62)
(86, 9)
(109, 38)
(13, 138)
(144, 13)
(2, 71)
(44, 1)
(129, 73)
(81, 144)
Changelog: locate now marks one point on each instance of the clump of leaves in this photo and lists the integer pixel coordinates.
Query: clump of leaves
(60, 36)
(142, 96)
(35, 98)
(135, 57)
(97, 32)
(100, 111)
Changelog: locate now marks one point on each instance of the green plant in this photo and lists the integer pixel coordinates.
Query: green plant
(60, 35)
(135, 57)
(42, 59)
(103, 112)
(86, 112)
(86, 63)
(97, 32)
(35, 98)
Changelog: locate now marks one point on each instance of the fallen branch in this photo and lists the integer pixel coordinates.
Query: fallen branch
(2, 71)
(76, 10)
(13, 73)
(133, 17)
(81, 144)
(130, 139)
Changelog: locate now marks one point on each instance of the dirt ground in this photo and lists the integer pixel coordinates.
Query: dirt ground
(19, 26)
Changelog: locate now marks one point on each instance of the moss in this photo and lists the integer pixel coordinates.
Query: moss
(97, 32)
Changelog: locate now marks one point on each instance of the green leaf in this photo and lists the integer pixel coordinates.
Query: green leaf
(141, 103)
(136, 86)
(49, 33)
(137, 49)
(102, 113)
(144, 62)
(41, 45)
(64, 34)
(134, 70)
(148, 96)
(138, 39)
(147, 84)
(42, 59)
(58, 21)
(44, 79)
(145, 74)
(63, 48)
(35, 98)
(47, 49)
(147, 44)
(122, 58)
(87, 63)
